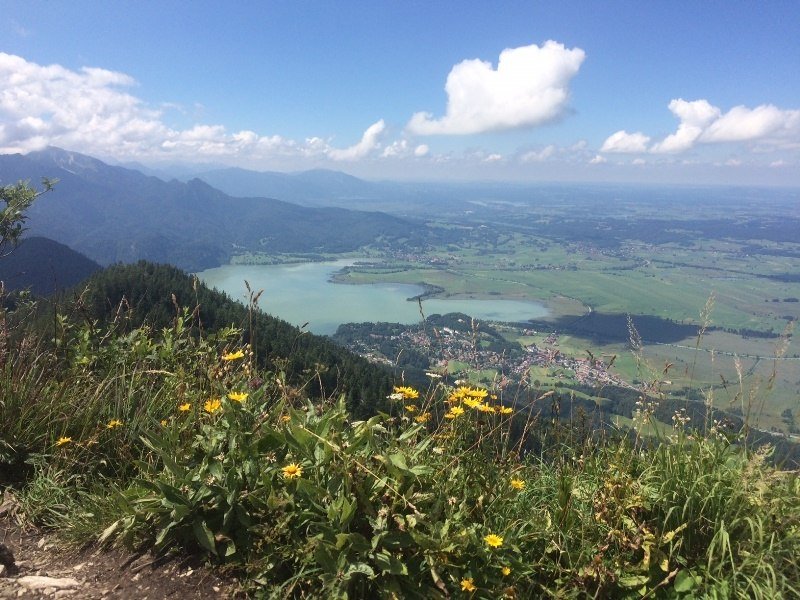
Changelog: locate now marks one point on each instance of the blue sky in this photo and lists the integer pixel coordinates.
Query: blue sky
(683, 92)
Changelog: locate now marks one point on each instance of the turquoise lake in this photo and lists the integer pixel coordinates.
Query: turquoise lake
(302, 293)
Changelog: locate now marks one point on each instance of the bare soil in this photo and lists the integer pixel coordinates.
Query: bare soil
(94, 573)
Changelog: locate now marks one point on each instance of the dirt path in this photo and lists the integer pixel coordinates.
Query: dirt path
(40, 569)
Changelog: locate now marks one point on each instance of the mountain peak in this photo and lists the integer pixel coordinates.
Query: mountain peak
(73, 162)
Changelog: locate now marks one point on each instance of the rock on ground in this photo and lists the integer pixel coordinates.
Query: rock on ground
(39, 568)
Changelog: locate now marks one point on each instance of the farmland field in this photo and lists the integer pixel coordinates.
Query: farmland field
(730, 265)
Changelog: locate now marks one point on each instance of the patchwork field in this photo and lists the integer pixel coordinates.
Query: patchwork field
(731, 271)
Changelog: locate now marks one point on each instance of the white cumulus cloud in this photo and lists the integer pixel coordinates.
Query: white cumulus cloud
(369, 142)
(529, 87)
(700, 122)
(624, 142)
(397, 148)
(694, 118)
(538, 155)
(402, 149)
(743, 124)
(92, 110)
(43, 105)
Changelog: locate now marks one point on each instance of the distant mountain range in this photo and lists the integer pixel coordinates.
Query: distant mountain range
(114, 214)
(323, 187)
(314, 188)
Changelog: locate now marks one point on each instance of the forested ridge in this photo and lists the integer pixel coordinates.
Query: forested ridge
(113, 214)
(152, 294)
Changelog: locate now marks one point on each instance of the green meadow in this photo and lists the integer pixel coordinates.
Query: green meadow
(746, 300)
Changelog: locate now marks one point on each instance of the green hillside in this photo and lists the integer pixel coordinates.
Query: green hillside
(143, 410)
(44, 266)
(112, 214)
(146, 294)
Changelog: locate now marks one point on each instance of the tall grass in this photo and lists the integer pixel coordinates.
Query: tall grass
(172, 440)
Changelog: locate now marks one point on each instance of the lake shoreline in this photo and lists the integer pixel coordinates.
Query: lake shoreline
(306, 292)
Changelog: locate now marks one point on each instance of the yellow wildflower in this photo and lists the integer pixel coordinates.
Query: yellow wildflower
(163, 422)
(468, 585)
(184, 407)
(238, 396)
(455, 411)
(492, 540)
(114, 423)
(63, 440)
(518, 484)
(411, 408)
(483, 407)
(233, 355)
(472, 402)
(477, 393)
(212, 406)
(292, 471)
(286, 418)
(506, 571)
(504, 410)
(408, 393)
(423, 418)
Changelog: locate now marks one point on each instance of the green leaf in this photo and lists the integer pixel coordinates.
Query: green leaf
(230, 549)
(180, 512)
(390, 564)
(204, 536)
(172, 494)
(303, 441)
(684, 582)
(310, 491)
(420, 470)
(325, 559)
(410, 432)
(396, 540)
(398, 460)
(667, 537)
(162, 535)
(269, 441)
(341, 511)
(633, 581)
(360, 568)
(108, 531)
(356, 541)
(152, 442)
(215, 469)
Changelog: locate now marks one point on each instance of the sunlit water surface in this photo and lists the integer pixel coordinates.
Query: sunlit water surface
(302, 293)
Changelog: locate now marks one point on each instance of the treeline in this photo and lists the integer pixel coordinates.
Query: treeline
(614, 327)
(605, 327)
(385, 339)
(488, 337)
(150, 294)
(381, 337)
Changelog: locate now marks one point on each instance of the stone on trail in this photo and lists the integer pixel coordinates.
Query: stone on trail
(38, 582)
